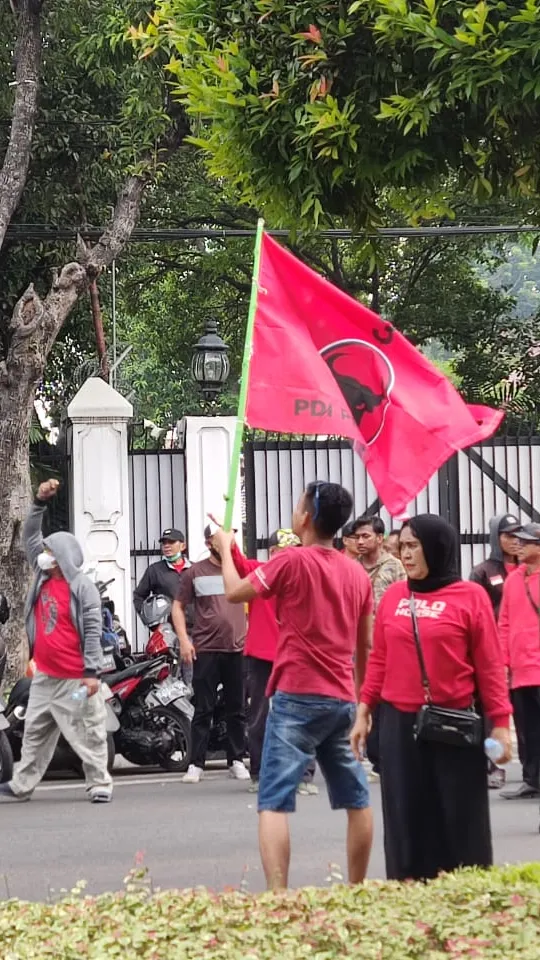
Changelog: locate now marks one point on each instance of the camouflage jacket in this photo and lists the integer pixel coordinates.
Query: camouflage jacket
(387, 571)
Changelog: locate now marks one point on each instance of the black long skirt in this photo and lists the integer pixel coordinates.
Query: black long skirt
(435, 802)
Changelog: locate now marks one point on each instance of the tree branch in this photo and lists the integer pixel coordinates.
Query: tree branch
(17, 157)
(418, 266)
(375, 291)
(236, 284)
(114, 238)
(97, 318)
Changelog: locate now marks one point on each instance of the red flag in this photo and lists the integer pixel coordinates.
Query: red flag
(322, 363)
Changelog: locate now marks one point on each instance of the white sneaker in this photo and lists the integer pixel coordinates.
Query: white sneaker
(308, 789)
(100, 795)
(238, 771)
(193, 775)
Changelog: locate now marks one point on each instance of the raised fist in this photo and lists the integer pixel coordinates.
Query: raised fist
(48, 489)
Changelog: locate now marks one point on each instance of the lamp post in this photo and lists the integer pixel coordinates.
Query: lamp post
(210, 365)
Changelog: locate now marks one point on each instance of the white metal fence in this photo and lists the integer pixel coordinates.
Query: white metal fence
(501, 475)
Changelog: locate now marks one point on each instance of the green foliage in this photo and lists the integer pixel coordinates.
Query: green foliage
(435, 291)
(297, 100)
(493, 915)
(101, 112)
(313, 109)
(167, 291)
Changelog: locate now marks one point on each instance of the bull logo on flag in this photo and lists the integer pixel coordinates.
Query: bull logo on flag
(366, 378)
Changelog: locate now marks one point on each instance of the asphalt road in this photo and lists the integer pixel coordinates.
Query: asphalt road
(204, 834)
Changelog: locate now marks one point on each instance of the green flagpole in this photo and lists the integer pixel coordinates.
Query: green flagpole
(242, 400)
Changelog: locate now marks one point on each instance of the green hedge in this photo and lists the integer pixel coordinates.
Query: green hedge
(465, 915)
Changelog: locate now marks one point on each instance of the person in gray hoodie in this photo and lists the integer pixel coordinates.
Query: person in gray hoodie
(63, 622)
(491, 574)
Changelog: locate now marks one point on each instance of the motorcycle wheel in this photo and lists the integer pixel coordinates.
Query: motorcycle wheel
(76, 765)
(6, 759)
(182, 729)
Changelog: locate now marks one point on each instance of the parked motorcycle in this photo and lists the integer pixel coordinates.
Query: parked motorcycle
(155, 614)
(155, 717)
(154, 710)
(64, 757)
(6, 755)
(149, 706)
(113, 637)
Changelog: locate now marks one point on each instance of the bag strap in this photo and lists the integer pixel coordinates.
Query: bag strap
(418, 645)
(532, 602)
(534, 605)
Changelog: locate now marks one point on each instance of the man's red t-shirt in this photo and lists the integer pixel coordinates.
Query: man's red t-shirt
(320, 598)
(262, 632)
(57, 647)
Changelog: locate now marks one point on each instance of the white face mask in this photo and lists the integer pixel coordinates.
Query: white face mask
(46, 562)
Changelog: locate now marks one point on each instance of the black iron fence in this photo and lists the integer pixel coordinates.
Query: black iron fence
(499, 475)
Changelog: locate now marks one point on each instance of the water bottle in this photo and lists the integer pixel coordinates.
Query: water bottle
(81, 694)
(493, 749)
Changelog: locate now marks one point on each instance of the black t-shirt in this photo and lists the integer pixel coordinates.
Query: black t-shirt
(161, 578)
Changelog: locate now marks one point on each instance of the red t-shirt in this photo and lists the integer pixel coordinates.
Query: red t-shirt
(57, 647)
(460, 646)
(262, 631)
(321, 597)
(519, 628)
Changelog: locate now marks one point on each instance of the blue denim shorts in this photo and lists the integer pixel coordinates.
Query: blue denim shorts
(299, 729)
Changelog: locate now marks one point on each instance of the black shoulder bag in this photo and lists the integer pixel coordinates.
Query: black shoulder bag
(459, 728)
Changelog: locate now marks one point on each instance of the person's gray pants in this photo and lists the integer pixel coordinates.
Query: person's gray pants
(52, 711)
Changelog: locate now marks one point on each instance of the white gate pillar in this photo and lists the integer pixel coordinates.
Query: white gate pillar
(208, 448)
(100, 491)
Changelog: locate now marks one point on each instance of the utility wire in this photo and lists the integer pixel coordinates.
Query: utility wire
(47, 233)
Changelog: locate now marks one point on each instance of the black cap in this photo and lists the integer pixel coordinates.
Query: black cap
(509, 524)
(172, 534)
(529, 532)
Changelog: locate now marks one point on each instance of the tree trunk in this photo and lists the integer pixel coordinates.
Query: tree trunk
(34, 326)
(19, 149)
(27, 339)
(16, 405)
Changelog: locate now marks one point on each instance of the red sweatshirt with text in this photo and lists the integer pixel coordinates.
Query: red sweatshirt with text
(262, 633)
(519, 628)
(460, 646)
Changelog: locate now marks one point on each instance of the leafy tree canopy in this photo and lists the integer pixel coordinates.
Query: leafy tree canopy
(312, 109)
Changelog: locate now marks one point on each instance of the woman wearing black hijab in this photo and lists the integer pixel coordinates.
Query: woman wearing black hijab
(435, 795)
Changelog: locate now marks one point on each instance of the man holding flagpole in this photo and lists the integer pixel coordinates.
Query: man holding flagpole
(330, 366)
(324, 605)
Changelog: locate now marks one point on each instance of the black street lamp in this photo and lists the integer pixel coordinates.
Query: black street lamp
(210, 365)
